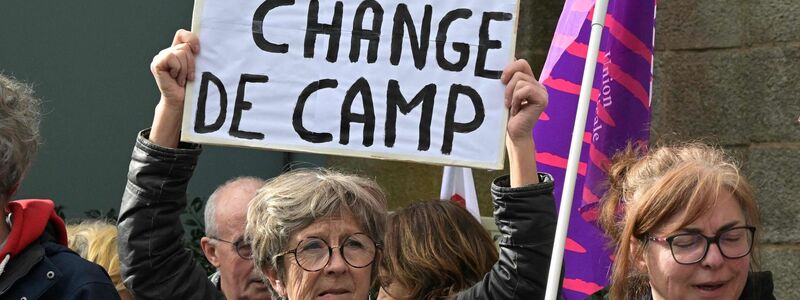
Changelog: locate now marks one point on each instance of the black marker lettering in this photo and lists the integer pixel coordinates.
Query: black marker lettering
(200, 117)
(258, 26)
(441, 41)
(361, 86)
(359, 33)
(419, 46)
(314, 28)
(297, 117)
(450, 125)
(396, 101)
(484, 44)
(242, 104)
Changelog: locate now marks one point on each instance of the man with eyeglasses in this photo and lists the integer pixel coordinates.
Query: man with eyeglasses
(154, 263)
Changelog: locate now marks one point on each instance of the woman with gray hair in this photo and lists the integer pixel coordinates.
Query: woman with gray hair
(316, 233)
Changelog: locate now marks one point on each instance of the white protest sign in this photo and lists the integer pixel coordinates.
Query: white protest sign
(414, 80)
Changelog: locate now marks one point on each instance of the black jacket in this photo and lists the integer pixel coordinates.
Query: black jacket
(36, 264)
(153, 261)
(526, 218)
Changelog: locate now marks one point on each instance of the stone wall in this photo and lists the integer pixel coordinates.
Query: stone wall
(728, 72)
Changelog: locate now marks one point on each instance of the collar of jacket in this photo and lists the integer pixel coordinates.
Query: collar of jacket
(29, 219)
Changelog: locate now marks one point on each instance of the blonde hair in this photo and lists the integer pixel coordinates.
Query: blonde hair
(436, 249)
(646, 190)
(96, 241)
(292, 201)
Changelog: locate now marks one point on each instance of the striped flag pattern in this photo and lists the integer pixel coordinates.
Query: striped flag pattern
(619, 113)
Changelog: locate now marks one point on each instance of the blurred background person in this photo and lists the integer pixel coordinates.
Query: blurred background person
(435, 249)
(96, 241)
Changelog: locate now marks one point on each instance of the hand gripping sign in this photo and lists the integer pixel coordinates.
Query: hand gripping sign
(406, 80)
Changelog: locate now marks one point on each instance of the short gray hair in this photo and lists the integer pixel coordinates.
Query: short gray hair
(19, 131)
(293, 201)
(210, 212)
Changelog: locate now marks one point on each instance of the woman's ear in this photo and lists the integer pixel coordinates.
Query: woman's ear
(275, 282)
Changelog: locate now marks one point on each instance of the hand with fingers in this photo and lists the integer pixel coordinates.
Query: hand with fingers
(172, 68)
(526, 98)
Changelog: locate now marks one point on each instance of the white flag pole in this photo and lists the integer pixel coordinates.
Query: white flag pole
(598, 22)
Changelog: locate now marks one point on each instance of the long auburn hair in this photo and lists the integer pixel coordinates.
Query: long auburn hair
(647, 189)
(435, 249)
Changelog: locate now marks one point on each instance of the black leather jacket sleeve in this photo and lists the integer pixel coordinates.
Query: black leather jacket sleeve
(525, 216)
(154, 262)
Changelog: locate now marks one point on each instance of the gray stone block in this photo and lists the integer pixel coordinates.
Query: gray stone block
(774, 74)
(772, 20)
(774, 171)
(537, 23)
(699, 24)
(702, 95)
(783, 261)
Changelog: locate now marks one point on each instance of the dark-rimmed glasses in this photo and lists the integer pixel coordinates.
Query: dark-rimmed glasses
(313, 254)
(242, 248)
(691, 248)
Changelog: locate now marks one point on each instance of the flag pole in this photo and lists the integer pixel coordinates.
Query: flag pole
(598, 22)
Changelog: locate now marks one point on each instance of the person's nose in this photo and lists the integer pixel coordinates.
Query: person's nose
(337, 264)
(713, 257)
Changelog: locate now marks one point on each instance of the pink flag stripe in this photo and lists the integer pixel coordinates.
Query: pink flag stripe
(598, 158)
(581, 286)
(602, 113)
(580, 49)
(627, 38)
(588, 196)
(587, 137)
(630, 84)
(566, 86)
(544, 117)
(558, 162)
(574, 246)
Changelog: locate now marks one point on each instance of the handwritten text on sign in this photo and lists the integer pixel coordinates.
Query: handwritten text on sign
(407, 80)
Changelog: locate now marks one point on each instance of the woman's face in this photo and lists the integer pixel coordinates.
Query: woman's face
(714, 277)
(337, 279)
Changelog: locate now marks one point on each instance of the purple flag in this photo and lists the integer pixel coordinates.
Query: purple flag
(619, 113)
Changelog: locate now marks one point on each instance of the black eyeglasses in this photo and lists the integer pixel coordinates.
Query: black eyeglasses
(690, 248)
(313, 254)
(242, 248)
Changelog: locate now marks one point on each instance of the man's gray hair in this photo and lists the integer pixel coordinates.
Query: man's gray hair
(293, 201)
(210, 213)
(19, 132)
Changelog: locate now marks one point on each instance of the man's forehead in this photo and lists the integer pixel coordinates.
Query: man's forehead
(231, 207)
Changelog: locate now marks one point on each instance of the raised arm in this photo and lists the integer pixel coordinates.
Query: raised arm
(172, 68)
(524, 209)
(526, 99)
(154, 261)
